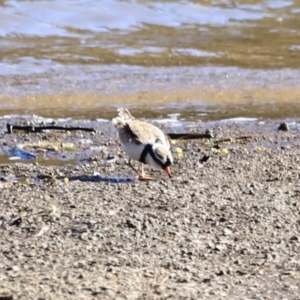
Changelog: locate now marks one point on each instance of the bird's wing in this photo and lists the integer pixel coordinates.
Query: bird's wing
(147, 133)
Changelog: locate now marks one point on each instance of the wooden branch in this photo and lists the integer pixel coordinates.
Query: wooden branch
(11, 128)
(240, 138)
(195, 136)
(189, 136)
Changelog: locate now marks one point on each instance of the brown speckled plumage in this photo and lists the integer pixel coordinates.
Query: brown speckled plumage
(136, 135)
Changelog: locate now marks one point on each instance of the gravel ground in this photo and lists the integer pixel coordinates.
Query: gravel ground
(228, 230)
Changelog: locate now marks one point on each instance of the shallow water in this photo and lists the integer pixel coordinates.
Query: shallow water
(200, 58)
(252, 33)
(7, 159)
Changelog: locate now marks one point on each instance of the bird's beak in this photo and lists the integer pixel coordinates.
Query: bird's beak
(168, 171)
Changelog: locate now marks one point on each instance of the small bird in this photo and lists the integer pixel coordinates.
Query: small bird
(143, 142)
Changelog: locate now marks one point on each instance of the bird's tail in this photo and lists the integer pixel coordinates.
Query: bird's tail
(123, 117)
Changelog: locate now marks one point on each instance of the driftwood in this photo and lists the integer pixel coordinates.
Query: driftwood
(206, 135)
(189, 136)
(173, 136)
(28, 128)
(239, 138)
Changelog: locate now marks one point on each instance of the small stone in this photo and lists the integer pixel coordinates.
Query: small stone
(227, 231)
(283, 127)
(5, 294)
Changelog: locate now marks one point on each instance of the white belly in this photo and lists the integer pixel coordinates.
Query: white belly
(134, 151)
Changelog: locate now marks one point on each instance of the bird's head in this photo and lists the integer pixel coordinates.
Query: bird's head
(162, 157)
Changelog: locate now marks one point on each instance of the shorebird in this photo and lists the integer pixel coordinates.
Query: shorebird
(143, 142)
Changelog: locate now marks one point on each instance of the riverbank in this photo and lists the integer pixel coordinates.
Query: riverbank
(228, 230)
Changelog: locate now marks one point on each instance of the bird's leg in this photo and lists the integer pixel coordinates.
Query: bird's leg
(144, 175)
(129, 164)
(141, 175)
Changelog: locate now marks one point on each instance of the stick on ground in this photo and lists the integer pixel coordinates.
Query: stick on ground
(27, 128)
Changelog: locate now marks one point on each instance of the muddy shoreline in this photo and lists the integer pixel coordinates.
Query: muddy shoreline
(99, 141)
(229, 230)
(194, 93)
